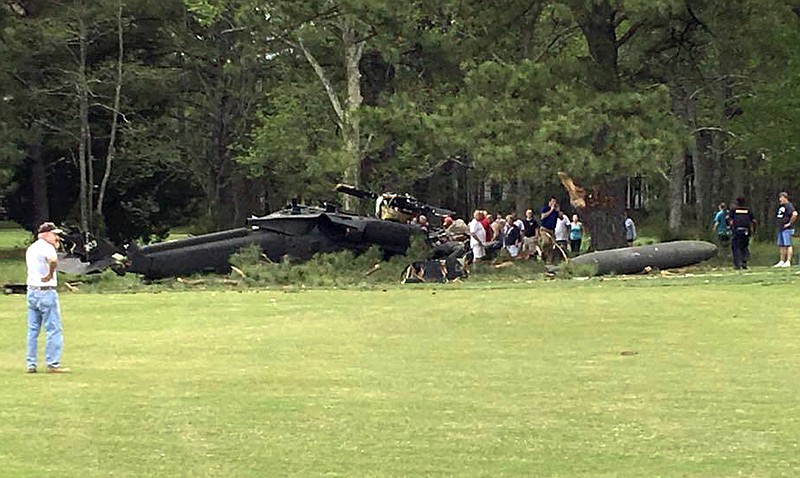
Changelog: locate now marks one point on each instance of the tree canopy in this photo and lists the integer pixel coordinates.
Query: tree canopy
(133, 116)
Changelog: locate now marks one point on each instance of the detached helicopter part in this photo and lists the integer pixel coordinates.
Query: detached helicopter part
(395, 207)
(633, 260)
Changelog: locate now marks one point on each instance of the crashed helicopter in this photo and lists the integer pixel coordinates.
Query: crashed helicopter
(297, 231)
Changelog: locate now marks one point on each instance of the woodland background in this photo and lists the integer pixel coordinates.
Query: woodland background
(129, 117)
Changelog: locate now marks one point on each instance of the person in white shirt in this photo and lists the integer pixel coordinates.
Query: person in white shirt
(562, 230)
(477, 236)
(43, 308)
(630, 229)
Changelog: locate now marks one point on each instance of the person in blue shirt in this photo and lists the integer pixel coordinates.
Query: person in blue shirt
(721, 220)
(575, 234)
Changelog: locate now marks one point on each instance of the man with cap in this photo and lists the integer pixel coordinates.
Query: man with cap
(741, 224)
(43, 309)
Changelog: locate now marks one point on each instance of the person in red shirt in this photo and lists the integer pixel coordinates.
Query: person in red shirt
(486, 221)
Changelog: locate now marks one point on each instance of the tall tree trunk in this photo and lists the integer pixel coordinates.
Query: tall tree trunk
(248, 197)
(85, 138)
(604, 213)
(737, 178)
(353, 48)
(217, 180)
(683, 107)
(703, 176)
(41, 204)
(523, 196)
(677, 177)
(597, 25)
(112, 140)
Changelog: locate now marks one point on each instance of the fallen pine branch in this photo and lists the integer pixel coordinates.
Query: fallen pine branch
(191, 282)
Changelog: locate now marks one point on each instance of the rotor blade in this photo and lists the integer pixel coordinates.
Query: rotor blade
(439, 211)
(354, 191)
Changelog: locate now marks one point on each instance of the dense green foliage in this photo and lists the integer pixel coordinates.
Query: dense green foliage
(229, 108)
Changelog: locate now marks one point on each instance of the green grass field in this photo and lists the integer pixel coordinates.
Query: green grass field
(13, 237)
(507, 380)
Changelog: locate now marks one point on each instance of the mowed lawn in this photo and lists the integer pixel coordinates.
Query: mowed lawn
(521, 382)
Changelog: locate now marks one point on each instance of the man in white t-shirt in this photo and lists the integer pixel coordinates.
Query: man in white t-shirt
(43, 309)
(562, 230)
(477, 236)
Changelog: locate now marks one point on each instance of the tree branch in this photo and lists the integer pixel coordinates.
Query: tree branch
(323, 78)
(714, 129)
(629, 34)
(696, 19)
(559, 38)
(115, 120)
(56, 128)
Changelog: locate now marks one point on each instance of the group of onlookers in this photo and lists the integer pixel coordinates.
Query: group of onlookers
(551, 235)
(547, 235)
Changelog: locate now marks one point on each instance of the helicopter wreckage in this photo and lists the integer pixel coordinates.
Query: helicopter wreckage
(297, 232)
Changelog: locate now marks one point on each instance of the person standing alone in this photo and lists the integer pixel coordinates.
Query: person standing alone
(742, 223)
(43, 309)
(630, 229)
(786, 217)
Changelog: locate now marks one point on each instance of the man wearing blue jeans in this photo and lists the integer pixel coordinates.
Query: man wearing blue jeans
(43, 309)
(786, 217)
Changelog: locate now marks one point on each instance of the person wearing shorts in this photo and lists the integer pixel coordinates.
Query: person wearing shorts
(785, 218)
(531, 233)
(477, 234)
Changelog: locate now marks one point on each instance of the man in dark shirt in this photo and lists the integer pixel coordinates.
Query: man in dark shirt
(786, 217)
(530, 233)
(531, 225)
(547, 240)
(512, 236)
(742, 224)
(549, 215)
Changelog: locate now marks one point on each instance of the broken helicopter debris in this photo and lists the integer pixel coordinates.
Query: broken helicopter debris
(297, 232)
(300, 231)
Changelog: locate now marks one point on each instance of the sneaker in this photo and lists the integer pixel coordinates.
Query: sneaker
(779, 264)
(787, 264)
(57, 369)
(31, 369)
